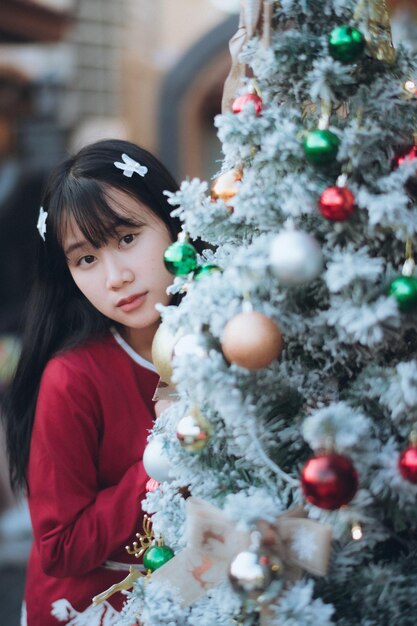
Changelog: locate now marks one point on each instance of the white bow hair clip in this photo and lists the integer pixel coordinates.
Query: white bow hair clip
(130, 166)
(41, 225)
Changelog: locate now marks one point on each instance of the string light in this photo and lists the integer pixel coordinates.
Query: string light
(411, 87)
(357, 532)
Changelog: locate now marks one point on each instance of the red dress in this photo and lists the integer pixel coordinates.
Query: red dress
(86, 479)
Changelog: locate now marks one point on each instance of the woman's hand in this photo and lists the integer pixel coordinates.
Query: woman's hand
(161, 406)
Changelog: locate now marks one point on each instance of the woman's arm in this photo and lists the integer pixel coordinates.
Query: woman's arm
(77, 523)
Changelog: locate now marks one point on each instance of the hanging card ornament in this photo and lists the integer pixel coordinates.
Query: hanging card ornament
(375, 22)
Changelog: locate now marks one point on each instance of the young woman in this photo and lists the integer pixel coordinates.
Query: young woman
(80, 406)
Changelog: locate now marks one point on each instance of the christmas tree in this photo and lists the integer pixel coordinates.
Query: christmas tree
(287, 460)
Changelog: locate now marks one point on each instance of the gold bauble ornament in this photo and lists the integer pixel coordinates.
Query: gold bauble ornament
(193, 431)
(225, 187)
(162, 351)
(252, 340)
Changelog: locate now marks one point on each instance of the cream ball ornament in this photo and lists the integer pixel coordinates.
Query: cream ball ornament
(155, 460)
(251, 340)
(295, 257)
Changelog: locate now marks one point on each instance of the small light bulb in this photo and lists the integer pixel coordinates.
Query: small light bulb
(410, 86)
(357, 532)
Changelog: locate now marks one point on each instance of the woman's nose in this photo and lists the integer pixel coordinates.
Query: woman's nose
(117, 274)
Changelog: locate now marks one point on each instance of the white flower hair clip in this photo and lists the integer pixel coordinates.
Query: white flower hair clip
(129, 167)
(41, 225)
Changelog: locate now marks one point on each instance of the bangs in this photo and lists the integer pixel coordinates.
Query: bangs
(90, 209)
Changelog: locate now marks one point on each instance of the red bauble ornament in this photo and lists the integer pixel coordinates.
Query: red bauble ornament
(337, 204)
(329, 480)
(407, 464)
(242, 101)
(151, 485)
(408, 154)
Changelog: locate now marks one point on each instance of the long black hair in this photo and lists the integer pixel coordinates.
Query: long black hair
(58, 314)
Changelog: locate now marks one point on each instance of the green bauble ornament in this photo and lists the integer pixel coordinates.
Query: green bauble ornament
(180, 258)
(206, 270)
(321, 147)
(156, 556)
(404, 290)
(346, 44)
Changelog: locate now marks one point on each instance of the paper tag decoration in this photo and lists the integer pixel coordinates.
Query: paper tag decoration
(164, 391)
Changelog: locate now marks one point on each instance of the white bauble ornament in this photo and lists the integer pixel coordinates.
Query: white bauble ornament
(156, 461)
(295, 257)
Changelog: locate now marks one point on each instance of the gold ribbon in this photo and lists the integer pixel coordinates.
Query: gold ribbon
(249, 22)
(214, 541)
(378, 33)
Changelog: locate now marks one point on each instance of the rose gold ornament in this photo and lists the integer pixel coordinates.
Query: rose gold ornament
(251, 340)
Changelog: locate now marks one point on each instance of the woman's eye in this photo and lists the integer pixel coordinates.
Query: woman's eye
(87, 260)
(126, 239)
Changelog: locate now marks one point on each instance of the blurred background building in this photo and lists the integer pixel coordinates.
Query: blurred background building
(72, 72)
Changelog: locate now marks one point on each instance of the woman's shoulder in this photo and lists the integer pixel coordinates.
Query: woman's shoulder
(85, 359)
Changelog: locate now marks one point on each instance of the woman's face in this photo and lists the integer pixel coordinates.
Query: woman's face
(125, 278)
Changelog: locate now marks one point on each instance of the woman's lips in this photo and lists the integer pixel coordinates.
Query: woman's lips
(131, 303)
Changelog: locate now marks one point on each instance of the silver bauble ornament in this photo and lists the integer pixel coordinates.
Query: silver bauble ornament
(193, 432)
(156, 461)
(250, 574)
(295, 257)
